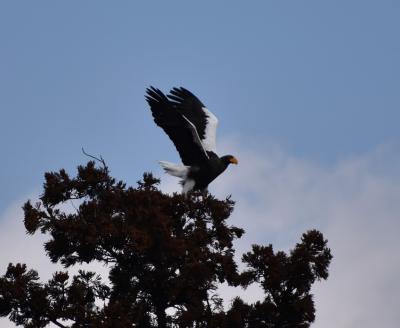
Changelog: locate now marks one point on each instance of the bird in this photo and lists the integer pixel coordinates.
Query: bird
(193, 130)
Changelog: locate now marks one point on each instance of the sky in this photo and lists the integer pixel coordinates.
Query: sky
(306, 92)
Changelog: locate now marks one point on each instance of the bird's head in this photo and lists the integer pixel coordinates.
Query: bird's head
(229, 159)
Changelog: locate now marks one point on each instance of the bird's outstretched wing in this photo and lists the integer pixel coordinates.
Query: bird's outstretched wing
(193, 109)
(178, 127)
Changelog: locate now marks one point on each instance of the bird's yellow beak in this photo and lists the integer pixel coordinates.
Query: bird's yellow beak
(233, 160)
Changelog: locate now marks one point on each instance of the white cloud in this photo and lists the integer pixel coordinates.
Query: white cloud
(354, 202)
(18, 247)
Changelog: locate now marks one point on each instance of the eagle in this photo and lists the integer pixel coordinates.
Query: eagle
(193, 130)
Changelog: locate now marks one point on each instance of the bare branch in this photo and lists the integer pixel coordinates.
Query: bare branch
(101, 159)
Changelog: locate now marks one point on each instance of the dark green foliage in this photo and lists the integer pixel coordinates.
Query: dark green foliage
(165, 252)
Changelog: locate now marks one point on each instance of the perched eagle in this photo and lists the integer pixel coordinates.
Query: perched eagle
(192, 128)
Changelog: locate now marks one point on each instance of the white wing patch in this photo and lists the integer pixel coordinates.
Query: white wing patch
(196, 135)
(210, 136)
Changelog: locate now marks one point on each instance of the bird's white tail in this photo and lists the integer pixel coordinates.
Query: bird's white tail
(177, 170)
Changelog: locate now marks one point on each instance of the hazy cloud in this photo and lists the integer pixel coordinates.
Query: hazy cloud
(354, 202)
(18, 247)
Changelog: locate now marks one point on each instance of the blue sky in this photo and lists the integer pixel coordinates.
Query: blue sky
(318, 79)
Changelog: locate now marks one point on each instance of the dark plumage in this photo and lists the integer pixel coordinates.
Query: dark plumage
(192, 128)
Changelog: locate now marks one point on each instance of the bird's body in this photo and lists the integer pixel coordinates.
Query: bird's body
(206, 173)
(192, 128)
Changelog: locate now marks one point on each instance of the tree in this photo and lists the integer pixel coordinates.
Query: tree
(167, 255)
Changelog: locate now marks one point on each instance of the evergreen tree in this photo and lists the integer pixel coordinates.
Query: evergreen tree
(167, 255)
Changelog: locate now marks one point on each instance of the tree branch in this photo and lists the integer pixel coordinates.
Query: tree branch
(101, 159)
